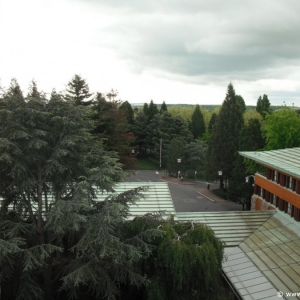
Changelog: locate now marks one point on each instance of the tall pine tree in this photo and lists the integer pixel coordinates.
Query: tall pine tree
(78, 91)
(251, 139)
(263, 105)
(197, 124)
(225, 137)
(163, 108)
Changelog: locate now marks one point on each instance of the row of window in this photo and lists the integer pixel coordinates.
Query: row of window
(278, 202)
(284, 180)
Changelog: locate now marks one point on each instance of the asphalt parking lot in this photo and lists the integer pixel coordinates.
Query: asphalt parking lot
(189, 195)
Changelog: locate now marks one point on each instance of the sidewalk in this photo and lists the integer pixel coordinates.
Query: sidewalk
(177, 180)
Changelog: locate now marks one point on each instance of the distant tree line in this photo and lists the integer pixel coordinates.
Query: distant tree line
(207, 142)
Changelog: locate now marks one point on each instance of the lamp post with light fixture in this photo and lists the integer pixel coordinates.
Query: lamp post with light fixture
(248, 177)
(179, 161)
(220, 173)
(249, 181)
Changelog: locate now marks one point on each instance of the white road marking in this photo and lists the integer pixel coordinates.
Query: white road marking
(206, 197)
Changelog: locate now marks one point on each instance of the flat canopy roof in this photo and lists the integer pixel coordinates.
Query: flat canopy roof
(284, 160)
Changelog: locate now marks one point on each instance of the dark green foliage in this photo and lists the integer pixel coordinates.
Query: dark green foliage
(128, 112)
(148, 133)
(187, 263)
(111, 125)
(197, 123)
(175, 151)
(140, 132)
(163, 108)
(112, 95)
(192, 157)
(166, 127)
(145, 109)
(56, 241)
(251, 139)
(153, 110)
(223, 145)
(212, 122)
(78, 91)
(241, 102)
(150, 110)
(263, 105)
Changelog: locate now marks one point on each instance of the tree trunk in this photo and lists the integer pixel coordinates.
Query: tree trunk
(47, 276)
(44, 239)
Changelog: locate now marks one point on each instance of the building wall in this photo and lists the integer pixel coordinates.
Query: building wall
(277, 190)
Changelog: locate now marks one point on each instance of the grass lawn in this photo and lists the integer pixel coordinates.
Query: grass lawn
(146, 164)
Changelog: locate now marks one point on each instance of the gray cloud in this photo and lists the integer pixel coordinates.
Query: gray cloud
(197, 44)
(246, 40)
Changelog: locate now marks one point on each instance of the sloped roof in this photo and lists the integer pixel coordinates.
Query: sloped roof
(232, 227)
(284, 160)
(246, 278)
(156, 198)
(268, 258)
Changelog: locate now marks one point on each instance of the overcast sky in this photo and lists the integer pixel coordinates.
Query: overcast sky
(177, 51)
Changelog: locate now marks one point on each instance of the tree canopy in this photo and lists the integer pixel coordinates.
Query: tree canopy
(197, 123)
(225, 136)
(163, 108)
(56, 240)
(282, 129)
(78, 91)
(263, 105)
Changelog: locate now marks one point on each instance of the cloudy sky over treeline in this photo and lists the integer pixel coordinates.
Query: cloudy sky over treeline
(178, 51)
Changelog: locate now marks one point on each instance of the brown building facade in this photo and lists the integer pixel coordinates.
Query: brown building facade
(279, 186)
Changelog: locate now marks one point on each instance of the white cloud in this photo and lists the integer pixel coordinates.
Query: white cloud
(173, 51)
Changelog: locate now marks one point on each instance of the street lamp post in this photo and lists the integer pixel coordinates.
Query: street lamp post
(248, 201)
(221, 179)
(179, 161)
(248, 177)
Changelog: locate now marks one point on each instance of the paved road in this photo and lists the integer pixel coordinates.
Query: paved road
(186, 197)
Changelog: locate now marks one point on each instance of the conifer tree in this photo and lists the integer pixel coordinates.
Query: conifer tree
(145, 109)
(163, 108)
(212, 122)
(251, 139)
(78, 91)
(241, 102)
(56, 241)
(225, 137)
(197, 123)
(152, 110)
(263, 105)
(128, 111)
(112, 126)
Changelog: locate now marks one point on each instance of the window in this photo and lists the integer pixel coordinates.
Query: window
(290, 182)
